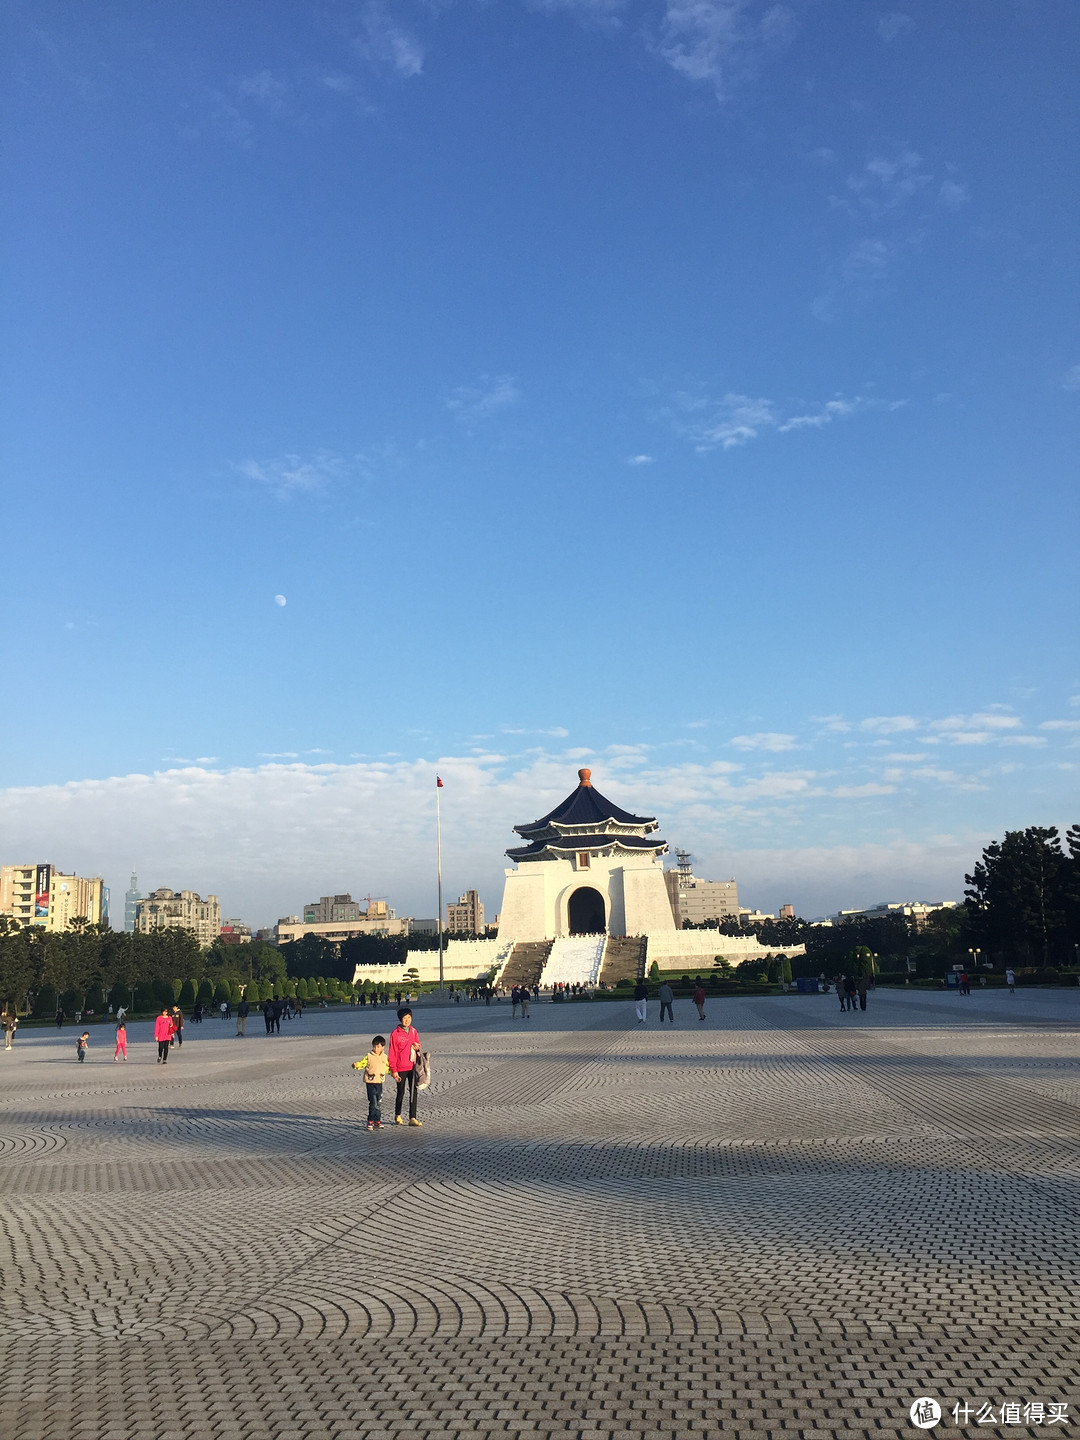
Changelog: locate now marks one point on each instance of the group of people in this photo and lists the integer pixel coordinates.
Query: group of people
(404, 1060)
(852, 991)
(666, 996)
(520, 1000)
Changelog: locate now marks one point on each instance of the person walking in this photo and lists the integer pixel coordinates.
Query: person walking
(666, 995)
(863, 986)
(10, 1021)
(163, 1033)
(699, 998)
(80, 1046)
(59, 1017)
(525, 998)
(841, 993)
(404, 1045)
(243, 1010)
(515, 1002)
(1010, 980)
(196, 1013)
(178, 1024)
(268, 1016)
(375, 1066)
(120, 1053)
(850, 990)
(965, 985)
(641, 1001)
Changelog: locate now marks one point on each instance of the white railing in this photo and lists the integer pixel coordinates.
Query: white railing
(575, 961)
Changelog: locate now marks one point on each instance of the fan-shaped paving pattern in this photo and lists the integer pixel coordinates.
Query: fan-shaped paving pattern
(782, 1219)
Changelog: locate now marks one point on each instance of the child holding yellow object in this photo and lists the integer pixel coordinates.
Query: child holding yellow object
(374, 1065)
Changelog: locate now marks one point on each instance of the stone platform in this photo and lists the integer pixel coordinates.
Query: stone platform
(784, 1220)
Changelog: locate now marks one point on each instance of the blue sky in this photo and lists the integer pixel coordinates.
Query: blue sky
(687, 389)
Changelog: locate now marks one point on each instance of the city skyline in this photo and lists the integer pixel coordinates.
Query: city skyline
(705, 374)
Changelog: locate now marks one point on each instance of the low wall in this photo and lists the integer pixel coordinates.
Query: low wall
(462, 960)
(700, 947)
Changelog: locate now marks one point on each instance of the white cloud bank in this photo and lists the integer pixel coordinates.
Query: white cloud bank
(266, 839)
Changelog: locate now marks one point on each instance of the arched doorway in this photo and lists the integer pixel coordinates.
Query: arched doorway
(586, 912)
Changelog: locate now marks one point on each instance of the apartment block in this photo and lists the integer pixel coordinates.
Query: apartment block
(42, 895)
(166, 909)
(467, 916)
(694, 901)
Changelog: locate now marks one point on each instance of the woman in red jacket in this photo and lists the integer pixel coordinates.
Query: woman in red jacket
(402, 1052)
(164, 1030)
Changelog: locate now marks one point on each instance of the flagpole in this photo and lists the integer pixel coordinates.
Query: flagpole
(438, 850)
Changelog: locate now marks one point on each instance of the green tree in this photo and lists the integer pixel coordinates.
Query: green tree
(654, 971)
(234, 992)
(206, 992)
(45, 1003)
(186, 998)
(1017, 895)
(253, 993)
(222, 994)
(302, 989)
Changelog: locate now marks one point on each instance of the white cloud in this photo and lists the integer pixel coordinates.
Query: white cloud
(718, 42)
(947, 777)
(1060, 725)
(639, 459)
(894, 24)
(289, 475)
(470, 405)
(1031, 740)
(1072, 379)
(888, 724)
(264, 86)
(887, 183)
(557, 731)
(953, 194)
(385, 45)
(269, 837)
(980, 728)
(764, 740)
(279, 754)
(736, 419)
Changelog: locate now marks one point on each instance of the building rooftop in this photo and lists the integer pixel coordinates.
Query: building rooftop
(586, 807)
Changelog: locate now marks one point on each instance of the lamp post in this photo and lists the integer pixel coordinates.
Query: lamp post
(975, 957)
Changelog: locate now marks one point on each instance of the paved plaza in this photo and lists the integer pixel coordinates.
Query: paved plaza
(783, 1220)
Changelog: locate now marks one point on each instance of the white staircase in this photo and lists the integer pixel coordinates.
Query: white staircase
(575, 961)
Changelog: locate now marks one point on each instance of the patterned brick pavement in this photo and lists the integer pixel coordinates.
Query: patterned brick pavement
(782, 1221)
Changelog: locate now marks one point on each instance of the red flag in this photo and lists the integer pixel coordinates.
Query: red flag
(438, 783)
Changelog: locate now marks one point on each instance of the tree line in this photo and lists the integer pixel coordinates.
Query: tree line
(1021, 908)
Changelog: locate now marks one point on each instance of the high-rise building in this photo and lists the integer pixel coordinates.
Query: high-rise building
(330, 909)
(467, 916)
(131, 903)
(42, 895)
(694, 901)
(166, 909)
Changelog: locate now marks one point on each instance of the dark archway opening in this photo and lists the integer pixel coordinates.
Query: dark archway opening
(586, 912)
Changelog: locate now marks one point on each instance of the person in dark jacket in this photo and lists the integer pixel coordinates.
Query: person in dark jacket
(243, 1010)
(268, 1015)
(641, 1001)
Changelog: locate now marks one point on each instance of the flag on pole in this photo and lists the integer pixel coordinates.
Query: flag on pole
(438, 783)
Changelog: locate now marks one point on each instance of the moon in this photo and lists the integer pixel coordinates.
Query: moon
(279, 600)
